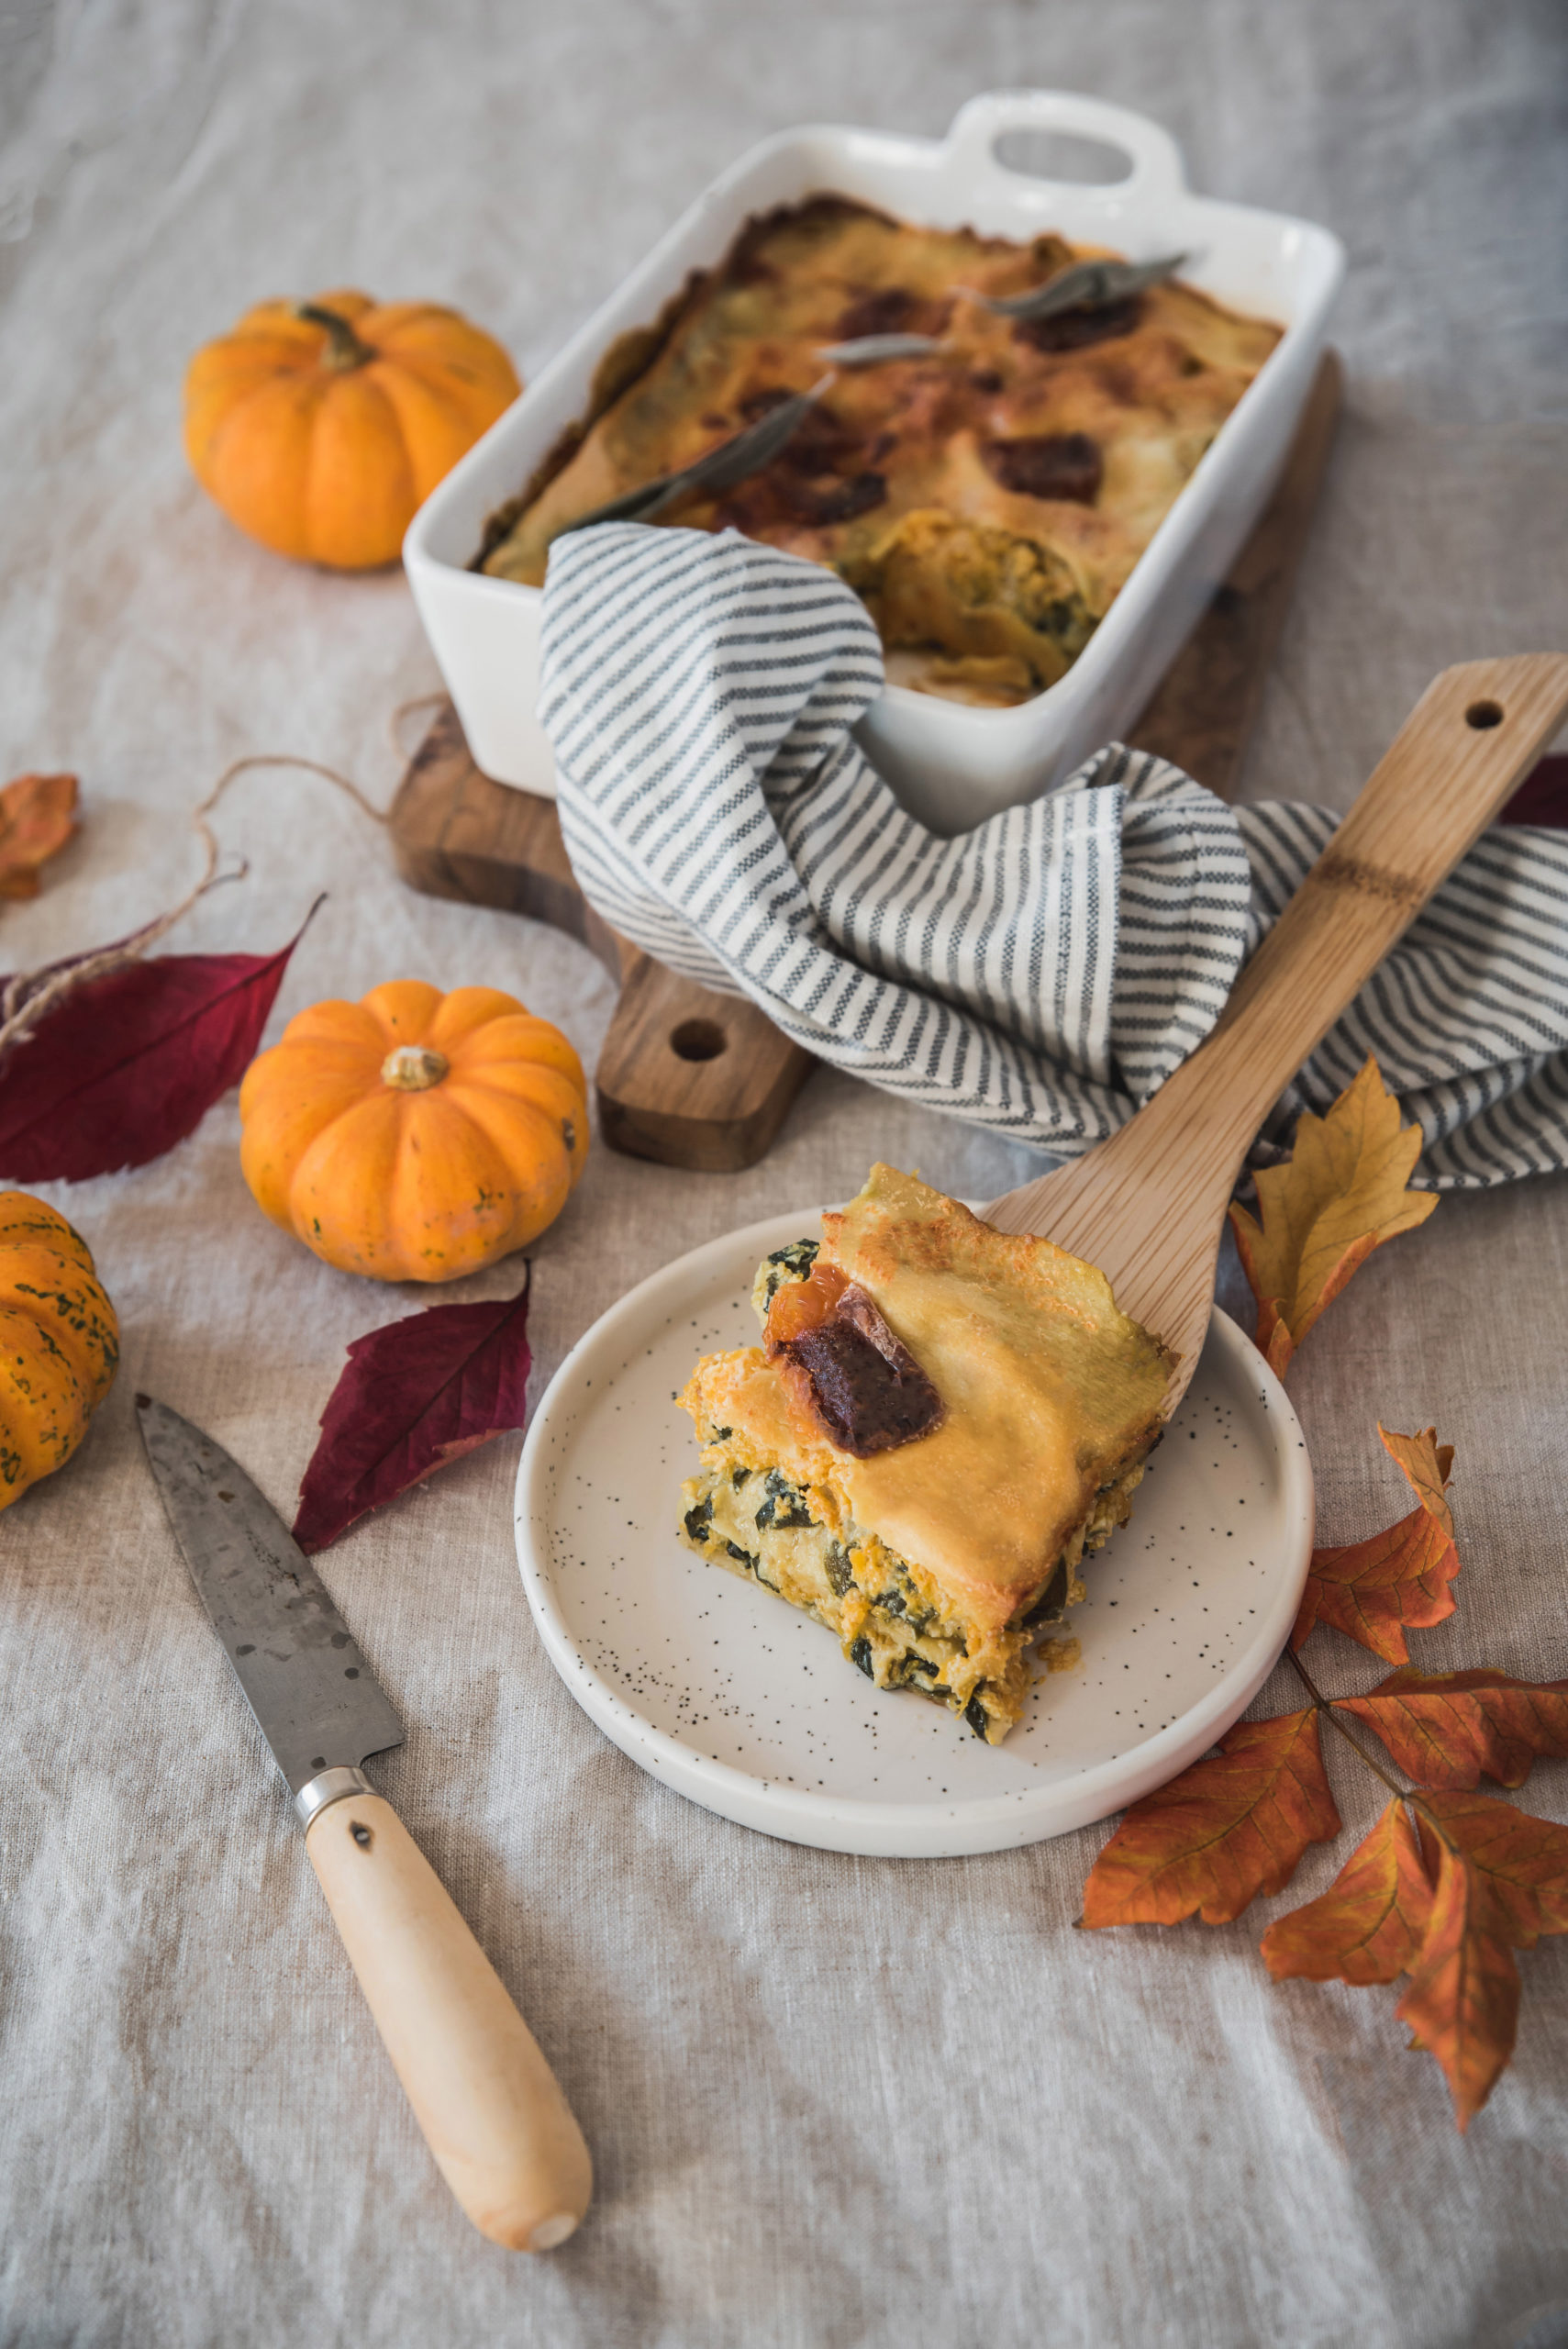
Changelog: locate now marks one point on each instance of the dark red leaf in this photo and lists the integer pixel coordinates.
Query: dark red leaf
(1542, 796)
(414, 1396)
(130, 1063)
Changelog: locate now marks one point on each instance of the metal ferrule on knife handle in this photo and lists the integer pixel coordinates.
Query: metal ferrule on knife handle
(492, 2111)
(330, 1785)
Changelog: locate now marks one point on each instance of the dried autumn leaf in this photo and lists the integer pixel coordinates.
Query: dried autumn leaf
(1428, 1464)
(129, 1064)
(38, 816)
(1502, 1883)
(1373, 1590)
(1451, 1728)
(1228, 1829)
(1369, 1925)
(1542, 796)
(1520, 1862)
(1342, 1194)
(1462, 2004)
(415, 1396)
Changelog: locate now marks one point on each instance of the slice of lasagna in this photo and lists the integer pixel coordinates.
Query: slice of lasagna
(941, 1420)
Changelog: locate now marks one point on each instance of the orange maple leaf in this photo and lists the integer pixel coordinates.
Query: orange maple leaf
(1446, 1729)
(38, 816)
(1370, 1924)
(1502, 1883)
(1342, 1194)
(1428, 1464)
(1463, 2005)
(1521, 1862)
(1228, 1829)
(1373, 1590)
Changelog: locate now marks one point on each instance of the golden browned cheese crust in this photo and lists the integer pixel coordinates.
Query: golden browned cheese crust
(1049, 1389)
(937, 1562)
(988, 503)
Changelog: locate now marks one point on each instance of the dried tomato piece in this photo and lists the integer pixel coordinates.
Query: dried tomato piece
(891, 309)
(865, 1389)
(1076, 329)
(1048, 465)
(827, 500)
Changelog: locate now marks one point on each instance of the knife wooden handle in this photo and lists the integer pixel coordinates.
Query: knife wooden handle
(493, 2115)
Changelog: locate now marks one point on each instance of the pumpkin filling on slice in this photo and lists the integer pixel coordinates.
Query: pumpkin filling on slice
(942, 1421)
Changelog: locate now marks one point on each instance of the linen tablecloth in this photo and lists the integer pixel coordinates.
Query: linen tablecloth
(832, 2101)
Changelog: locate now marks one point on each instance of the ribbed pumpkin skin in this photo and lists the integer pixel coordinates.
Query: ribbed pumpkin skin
(59, 1342)
(328, 465)
(415, 1185)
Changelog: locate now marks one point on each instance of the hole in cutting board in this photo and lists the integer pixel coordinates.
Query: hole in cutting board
(1063, 155)
(1482, 714)
(698, 1040)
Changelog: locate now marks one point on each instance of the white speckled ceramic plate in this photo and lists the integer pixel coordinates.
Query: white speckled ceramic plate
(744, 1705)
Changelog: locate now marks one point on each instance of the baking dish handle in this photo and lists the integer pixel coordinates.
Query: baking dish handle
(1153, 156)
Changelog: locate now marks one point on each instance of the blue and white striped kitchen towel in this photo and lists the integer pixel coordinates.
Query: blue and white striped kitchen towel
(1043, 974)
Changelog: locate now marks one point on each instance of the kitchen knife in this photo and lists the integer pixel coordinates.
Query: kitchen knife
(493, 2115)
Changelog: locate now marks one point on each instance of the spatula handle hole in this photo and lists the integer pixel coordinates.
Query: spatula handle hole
(1483, 714)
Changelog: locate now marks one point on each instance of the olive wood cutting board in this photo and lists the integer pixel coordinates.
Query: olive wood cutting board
(700, 1080)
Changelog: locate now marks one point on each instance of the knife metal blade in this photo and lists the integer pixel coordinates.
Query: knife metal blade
(317, 1700)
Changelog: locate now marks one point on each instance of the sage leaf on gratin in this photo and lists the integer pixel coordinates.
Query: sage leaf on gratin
(128, 1063)
(414, 1397)
(718, 469)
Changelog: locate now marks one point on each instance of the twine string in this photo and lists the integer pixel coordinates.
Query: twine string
(28, 997)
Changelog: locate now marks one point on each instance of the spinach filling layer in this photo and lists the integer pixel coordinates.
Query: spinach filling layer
(762, 1527)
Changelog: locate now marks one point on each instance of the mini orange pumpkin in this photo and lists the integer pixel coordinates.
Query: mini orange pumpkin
(59, 1342)
(320, 426)
(415, 1136)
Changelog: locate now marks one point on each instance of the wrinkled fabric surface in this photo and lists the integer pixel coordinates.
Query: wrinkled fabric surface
(833, 2101)
(1046, 972)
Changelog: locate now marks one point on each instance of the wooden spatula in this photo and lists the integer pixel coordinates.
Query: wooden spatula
(1147, 1206)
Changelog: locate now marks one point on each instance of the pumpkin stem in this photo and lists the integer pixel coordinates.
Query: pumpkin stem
(414, 1068)
(345, 350)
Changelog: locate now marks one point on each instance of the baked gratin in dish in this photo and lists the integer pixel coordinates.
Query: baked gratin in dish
(987, 502)
(941, 1423)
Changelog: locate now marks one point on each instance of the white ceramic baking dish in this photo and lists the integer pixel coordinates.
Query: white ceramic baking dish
(952, 765)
